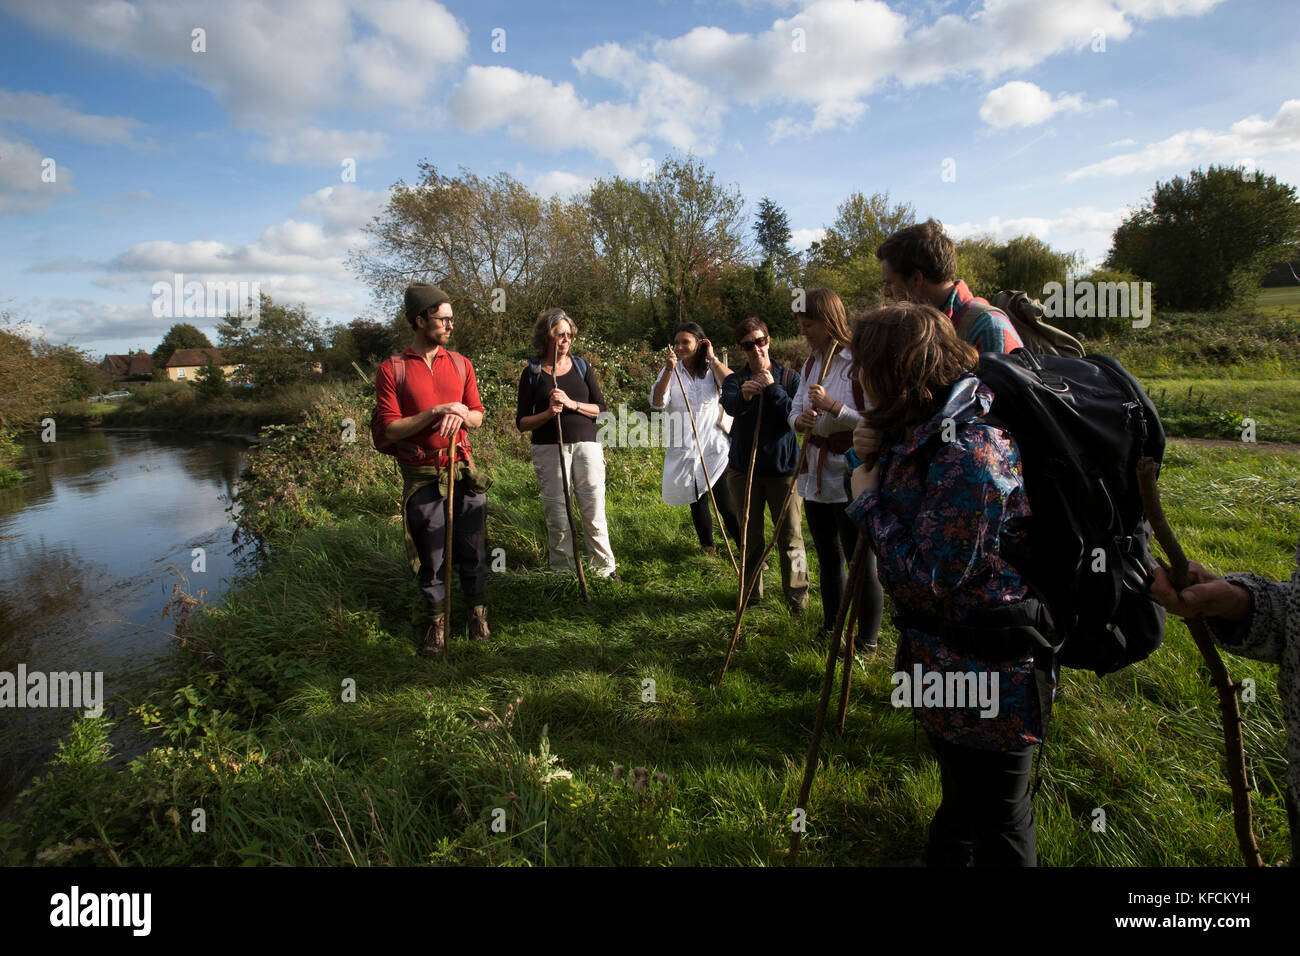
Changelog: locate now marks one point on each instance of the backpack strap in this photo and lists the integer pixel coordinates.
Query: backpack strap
(787, 380)
(398, 364)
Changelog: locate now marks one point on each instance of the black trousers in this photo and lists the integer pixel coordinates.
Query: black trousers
(702, 513)
(986, 818)
(835, 536)
(426, 515)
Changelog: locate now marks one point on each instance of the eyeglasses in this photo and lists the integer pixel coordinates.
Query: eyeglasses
(564, 335)
(757, 343)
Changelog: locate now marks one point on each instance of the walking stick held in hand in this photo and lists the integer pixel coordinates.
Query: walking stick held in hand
(1229, 709)
(447, 545)
(747, 589)
(707, 479)
(828, 680)
(564, 481)
(749, 484)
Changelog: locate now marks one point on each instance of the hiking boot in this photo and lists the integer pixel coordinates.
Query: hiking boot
(434, 639)
(711, 551)
(477, 624)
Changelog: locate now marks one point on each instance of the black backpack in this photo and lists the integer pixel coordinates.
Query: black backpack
(1082, 425)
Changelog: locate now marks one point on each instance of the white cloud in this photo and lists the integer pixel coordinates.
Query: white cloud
(560, 183)
(821, 62)
(1025, 104)
(678, 110)
(273, 64)
(1084, 227)
(45, 112)
(803, 238)
(309, 146)
(549, 116)
(1246, 139)
(22, 190)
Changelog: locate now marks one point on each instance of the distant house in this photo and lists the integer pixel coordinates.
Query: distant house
(132, 365)
(184, 364)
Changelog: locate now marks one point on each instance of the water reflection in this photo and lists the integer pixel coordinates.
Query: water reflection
(91, 544)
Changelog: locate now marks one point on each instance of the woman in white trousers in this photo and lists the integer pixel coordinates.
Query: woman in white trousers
(560, 388)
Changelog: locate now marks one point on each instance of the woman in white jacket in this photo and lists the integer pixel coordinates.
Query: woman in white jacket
(699, 374)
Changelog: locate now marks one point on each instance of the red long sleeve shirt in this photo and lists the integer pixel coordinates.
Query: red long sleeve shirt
(427, 385)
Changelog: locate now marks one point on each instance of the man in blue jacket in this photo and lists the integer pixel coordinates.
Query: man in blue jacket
(762, 382)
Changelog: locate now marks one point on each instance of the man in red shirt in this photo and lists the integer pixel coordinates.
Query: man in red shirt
(919, 263)
(437, 398)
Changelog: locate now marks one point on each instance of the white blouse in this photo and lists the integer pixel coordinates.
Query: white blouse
(684, 479)
(839, 388)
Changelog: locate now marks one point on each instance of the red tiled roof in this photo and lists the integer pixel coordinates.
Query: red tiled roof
(188, 358)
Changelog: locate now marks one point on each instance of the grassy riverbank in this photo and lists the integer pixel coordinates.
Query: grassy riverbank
(261, 732)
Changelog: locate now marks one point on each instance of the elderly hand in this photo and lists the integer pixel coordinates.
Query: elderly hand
(1206, 595)
(751, 389)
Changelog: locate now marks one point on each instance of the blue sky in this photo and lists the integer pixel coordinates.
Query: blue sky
(227, 164)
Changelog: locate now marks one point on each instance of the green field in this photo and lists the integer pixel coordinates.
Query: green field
(256, 730)
(1280, 301)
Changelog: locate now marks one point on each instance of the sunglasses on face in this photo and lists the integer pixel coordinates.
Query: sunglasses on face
(564, 335)
(757, 343)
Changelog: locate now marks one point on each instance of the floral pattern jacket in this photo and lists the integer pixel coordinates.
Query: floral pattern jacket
(951, 498)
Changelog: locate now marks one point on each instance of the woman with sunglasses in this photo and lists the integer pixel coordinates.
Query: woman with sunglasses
(560, 385)
(764, 384)
(827, 413)
(694, 369)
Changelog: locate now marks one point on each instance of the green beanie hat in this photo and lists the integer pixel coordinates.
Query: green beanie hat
(421, 296)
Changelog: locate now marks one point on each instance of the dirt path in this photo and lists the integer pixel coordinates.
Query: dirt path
(1233, 443)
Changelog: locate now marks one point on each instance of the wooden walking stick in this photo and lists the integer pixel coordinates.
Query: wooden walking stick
(819, 723)
(708, 480)
(749, 485)
(1229, 708)
(748, 588)
(854, 597)
(564, 480)
(447, 546)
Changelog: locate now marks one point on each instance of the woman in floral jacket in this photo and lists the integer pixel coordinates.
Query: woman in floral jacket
(941, 499)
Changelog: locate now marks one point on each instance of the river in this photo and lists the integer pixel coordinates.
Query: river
(93, 543)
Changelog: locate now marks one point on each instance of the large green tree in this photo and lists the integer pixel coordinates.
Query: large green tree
(1206, 240)
(278, 346)
(772, 228)
(845, 258)
(182, 335)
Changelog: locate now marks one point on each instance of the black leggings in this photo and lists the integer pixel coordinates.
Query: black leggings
(986, 818)
(835, 536)
(702, 513)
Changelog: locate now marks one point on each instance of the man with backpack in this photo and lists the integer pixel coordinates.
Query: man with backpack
(424, 397)
(919, 264)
